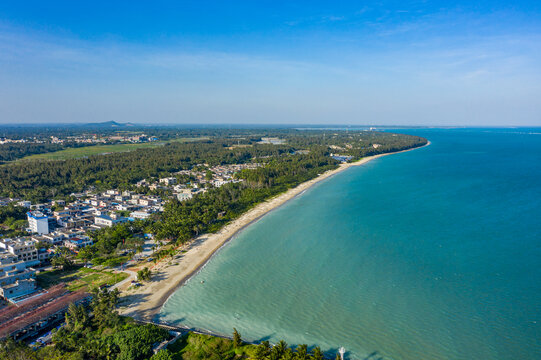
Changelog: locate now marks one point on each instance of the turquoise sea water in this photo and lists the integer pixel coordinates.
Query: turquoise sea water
(429, 254)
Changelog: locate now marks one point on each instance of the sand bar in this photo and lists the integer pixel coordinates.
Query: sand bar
(145, 302)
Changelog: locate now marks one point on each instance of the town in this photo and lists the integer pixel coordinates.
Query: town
(59, 228)
(84, 138)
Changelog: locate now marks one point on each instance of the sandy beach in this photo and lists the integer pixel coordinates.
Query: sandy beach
(145, 302)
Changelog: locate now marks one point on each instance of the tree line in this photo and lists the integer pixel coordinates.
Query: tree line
(40, 180)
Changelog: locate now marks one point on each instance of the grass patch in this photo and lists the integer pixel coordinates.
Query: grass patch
(74, 153)
(110, 261)
(80, 152)
(185, 140)
(77, 279)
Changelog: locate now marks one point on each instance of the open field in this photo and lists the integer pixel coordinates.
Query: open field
(74, 153)
(185, 140)
(76, 279)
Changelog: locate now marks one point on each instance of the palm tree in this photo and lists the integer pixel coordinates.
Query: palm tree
(260, 352)
(302, 352)
(280, 348)
(316, 354)
(288, 355)
(237, 341)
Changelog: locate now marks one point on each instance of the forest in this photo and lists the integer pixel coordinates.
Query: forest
(41, 180)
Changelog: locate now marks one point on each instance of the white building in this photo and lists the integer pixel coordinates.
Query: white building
(24, 249)
(220, 182)
(25, 204)
(16, 277)
(185, 194)
(59, 202)
(179, 187)
(168, 181)
(106, 220)
(18, 288)
(54, 238)
(146, 202)
(38, 222)
(140, 214)
(78, 243)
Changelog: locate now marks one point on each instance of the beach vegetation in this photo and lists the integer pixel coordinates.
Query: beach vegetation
(194, 346)
(316, 354)
(237, 340)
(144, 274)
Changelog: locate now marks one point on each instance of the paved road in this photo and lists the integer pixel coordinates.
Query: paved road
(132, 276)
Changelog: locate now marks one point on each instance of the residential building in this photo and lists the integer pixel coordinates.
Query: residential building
(16, 277)
(77, 243)
(141, 214)
(106, 220)
(185, 194)
(54, 238)
(25, 204)
(38, 222)
(23, 248)
(18, 288)
(168, 181)
(59, 202)
(146, 202)
(44, 255)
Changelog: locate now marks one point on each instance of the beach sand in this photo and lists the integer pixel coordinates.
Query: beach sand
(145, 302)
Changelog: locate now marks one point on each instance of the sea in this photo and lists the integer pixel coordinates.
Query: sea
(433, 253)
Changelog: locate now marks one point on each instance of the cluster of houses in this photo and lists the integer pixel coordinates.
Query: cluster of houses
(97, 139)
(4, 140)
(272, 141)
(60, 224)
(84, 139)
(219, 176)
(106, 207)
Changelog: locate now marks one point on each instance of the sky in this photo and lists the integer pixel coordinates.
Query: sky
(436, 63)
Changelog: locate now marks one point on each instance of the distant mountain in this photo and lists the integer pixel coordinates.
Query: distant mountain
(109, 124)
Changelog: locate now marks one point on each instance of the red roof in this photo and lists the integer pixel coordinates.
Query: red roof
(35, 310)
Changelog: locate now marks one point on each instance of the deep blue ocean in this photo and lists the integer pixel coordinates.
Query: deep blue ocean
(433, 253)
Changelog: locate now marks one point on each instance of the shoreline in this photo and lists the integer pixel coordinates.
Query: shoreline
(145, 303)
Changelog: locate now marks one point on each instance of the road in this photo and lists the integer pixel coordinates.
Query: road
(132, 276)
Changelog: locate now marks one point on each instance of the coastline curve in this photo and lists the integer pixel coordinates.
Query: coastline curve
(145, 303)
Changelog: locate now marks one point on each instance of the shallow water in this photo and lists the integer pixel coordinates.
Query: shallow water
(429, 254)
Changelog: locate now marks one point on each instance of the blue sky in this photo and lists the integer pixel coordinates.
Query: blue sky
(302, 62)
